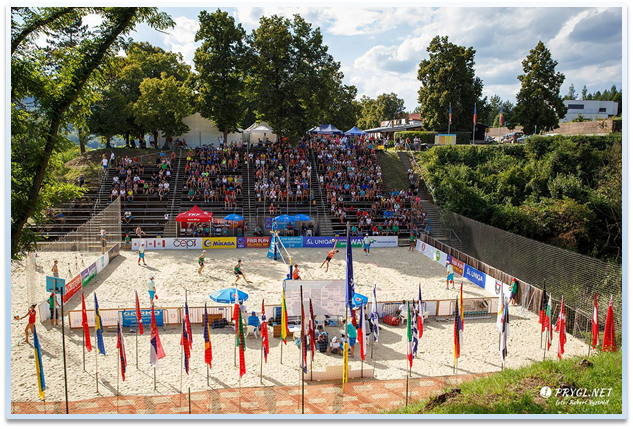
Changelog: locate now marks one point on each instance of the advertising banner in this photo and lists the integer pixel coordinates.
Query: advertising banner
(241, 242)
(475, 276)
(458, 266)
(72, 288)
(292, 242)
(329, 241)
(385, 241)
(180, 243)
(128, 317)
(268, 223)
(103, 262)
(88, 274)
(219, 243)
(257, 242)
(113, 252)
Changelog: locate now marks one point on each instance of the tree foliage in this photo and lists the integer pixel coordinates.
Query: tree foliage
(384, 108)
(539, 104)
(448, 76)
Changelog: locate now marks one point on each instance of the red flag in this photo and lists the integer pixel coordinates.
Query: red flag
(595, 329)
(361, 333)
(208, 352)
(84, 323)
(562, 329)
(121, 346)
(420, 313)
(608, 340)
(139, 319)
(187, 322)
(186, 346)
(242, 347)
(156, 351)
(264, 333)
(304, 349)
(312, 332)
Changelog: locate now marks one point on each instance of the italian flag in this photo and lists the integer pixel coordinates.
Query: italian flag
(409, 337)
(242, 345)
(284, 317)
(548, 322)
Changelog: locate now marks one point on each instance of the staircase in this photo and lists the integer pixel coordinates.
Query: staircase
(325, 223)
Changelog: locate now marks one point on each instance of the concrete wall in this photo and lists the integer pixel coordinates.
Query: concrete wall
(590, 127)
(203, 131)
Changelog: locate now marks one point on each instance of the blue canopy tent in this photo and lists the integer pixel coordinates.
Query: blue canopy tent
(355, 132)
(227, 296)
(325, 129)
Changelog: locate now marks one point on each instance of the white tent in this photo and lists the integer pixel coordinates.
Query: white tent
(261, 131)
(202, 131)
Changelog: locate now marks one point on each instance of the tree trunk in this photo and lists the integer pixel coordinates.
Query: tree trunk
(155, 139)
(166, 146)
(82, 139)
(127, 139)
(90, 63)
(226, 132)
(107, 143)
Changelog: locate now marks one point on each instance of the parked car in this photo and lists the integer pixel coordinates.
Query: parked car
(512, 137)
(521, 139)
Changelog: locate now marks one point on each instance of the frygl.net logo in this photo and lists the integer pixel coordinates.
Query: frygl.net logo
(577, 396)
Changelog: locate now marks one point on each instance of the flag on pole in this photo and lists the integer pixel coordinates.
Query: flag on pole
(457, 333)
(39, 369)
(236, 316)
(505, 332)
(349, 272)
(475, 115)
(500, 308)
(304, 350)
(414, 332)
(450, 275)
(541, 315)
(208, 352)
(242, 346)
(461, 306)
(595, 329)
(345, 359)
(284, 316)
(420, 313)
(264, 333)
(409, 337)
(312, 331)
(500, 115)
(121, 346)
(548, 322)
(374, 316)
(187, 322)
(156, 351)
(562, 329)
(84, 323)
(361, 334)
(99, 328)
(139, 318)
(185, 343)
(450, 114)
(608, 339)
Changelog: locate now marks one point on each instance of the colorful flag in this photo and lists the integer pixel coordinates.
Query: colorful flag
(242, 346)
(156, 351)
(500, 308)
(420, 313)
(284, 317)
(185, 343)
(236, 316)
(500, 115)
(187, 322)
(449, 274)
(541, 315)
(374, 316)
(608, 339)
(457, 333)
(264, 333)
(312, 331)
(345, 358)
(361, 334)
(548, 323)
(505, 332)
(414, 333)
(304, 349)
(39, 369)
(450, 114)
(562, 329)
(475, 115)
(461, 306)
(99, 328)
(84, 323)
(349, 272)
(139, 318)
(121, 346)
(409, 337)
(595, 328)
(208, 352)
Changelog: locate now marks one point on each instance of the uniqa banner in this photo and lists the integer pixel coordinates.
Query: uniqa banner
(475, 276)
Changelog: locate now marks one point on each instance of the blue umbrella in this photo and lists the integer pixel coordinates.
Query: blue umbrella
(358, 299)
(234, 217)
(283, 218)
(227, 296)
(301, 218)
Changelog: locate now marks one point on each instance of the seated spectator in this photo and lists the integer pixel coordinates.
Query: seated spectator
(258, 231)
(128, 216)
(253, 320)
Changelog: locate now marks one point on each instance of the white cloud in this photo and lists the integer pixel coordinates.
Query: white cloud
(182, 37)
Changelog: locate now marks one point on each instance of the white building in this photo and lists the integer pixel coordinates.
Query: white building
(589, 109)
(203, 131)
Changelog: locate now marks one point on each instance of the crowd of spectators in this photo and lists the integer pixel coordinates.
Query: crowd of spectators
(127, 182)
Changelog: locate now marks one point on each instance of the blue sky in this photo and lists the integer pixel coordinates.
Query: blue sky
(379, 48)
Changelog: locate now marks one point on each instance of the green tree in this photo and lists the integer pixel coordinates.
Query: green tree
(571, 95)
(384, 108)
(162, 105)
(584, 93)
(221, 61)
(539, 105)
(448, 76)
(35, 128)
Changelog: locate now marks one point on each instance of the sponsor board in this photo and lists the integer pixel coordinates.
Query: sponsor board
(292, 242)
(88, 274)
(219, 243)
(103, 262)
(241, 242)
(458, 266)
(268, 223)
(257, 242)
(432, 253)
(386, 241)
(475, 276)
(128, 317)
(180, 243)
(113, 252)
(72, 287)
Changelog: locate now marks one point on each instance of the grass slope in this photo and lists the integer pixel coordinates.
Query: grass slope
(394, 175)
(518, 391)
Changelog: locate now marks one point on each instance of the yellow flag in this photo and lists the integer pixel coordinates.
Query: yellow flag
(284, 316)
(345, 362)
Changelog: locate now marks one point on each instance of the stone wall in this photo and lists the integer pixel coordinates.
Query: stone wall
(589, 127)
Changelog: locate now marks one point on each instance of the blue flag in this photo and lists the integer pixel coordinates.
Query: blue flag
(39, 369)
(99, 328)
(349, 272)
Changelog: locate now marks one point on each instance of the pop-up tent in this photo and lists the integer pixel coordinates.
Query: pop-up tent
(196, 214)
(355, 132)
(325, 129)
(261, 131)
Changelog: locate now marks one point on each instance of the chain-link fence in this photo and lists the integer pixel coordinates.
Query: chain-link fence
(561, 272)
